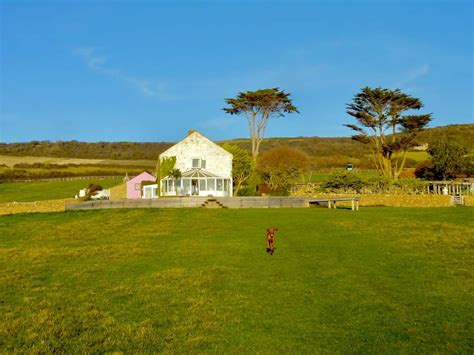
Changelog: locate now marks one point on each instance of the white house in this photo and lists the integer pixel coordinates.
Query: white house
(206, 169)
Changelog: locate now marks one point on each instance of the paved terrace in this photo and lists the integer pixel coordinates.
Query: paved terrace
(218, 202)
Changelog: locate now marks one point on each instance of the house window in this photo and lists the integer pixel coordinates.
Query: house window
(186, 185)
(155, 191)
(219, 184)
(138, 186)
(202, 185)
(199, 163)
(211, 186)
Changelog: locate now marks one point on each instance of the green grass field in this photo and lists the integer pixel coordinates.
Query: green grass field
(11, 160)
(418, 156)
(199, 280)
(48, 190)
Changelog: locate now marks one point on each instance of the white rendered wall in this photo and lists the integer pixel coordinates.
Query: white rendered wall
(218, 160)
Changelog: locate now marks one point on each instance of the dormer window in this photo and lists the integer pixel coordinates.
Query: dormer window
(199, 163)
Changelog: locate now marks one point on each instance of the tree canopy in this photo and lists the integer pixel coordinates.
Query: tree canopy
(257, 107)
(383, 127)
(282, 166)
(448, 159)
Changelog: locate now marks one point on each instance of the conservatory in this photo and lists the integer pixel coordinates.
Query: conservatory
(197, 182)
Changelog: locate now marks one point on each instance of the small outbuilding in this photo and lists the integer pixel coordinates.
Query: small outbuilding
(134, 186)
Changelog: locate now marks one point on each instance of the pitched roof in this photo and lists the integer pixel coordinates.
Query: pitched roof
(194, 132)
(143, 176)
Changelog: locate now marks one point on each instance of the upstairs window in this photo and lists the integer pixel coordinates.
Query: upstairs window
(199, 163)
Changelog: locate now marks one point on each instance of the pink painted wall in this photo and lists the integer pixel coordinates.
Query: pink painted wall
(131, 191)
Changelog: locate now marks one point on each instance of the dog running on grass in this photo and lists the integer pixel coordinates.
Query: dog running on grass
(271, 240)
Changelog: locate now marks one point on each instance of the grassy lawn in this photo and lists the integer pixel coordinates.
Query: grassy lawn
(197, 280)
(50, 190)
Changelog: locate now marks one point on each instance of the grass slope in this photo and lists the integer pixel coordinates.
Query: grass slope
(11, 160)
(343, 147)
(48, 190)
(194, 280)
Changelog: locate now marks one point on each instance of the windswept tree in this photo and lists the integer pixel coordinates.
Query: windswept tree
(382, 126)
(258, 107)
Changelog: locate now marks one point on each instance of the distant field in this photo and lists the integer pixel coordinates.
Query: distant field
(38, 191)
(325, 176)
(418, 156)
(10, 160)
(380, 280)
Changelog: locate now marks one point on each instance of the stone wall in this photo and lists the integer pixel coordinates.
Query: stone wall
(469, 200)
(399, 200)
(190, 202)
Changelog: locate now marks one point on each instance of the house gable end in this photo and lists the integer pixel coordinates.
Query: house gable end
(193, 136)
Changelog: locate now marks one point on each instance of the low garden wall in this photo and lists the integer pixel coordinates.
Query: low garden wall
(183, 202)
(404, 200)
(232, 202)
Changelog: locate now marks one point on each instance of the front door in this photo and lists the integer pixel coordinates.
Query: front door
(195, 187)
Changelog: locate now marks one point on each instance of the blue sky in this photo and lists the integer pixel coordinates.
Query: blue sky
(149, 71)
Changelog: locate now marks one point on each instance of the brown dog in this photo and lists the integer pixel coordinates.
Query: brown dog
(271, 240)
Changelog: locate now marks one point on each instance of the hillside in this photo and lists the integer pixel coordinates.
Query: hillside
(342, 147)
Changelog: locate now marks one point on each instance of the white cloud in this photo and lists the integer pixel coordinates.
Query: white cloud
(412, 75)
(98, 64)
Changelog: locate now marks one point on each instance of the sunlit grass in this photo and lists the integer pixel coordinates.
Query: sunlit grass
(48, 190)
(197, 280)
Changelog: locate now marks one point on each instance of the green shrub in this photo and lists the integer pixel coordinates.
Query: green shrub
(247, 191)
(345, 181)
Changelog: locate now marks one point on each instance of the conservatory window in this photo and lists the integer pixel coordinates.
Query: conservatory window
(226, 185)
(219, 184)
(211, 185)
(202, 185)
(186, 184)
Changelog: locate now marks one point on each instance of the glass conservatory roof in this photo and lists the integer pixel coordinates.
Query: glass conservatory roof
(199, 173)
